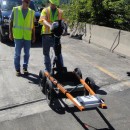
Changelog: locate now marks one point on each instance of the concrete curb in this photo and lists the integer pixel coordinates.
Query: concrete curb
(113, 39)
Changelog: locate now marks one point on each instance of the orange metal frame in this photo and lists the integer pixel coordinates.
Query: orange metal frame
(68, 95)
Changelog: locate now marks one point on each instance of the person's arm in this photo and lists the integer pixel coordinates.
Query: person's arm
(46, 23)
(43, 18)
(33, 33)
(11, 27)
(10, 30)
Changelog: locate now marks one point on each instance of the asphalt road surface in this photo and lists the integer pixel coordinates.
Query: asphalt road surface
(23, 106)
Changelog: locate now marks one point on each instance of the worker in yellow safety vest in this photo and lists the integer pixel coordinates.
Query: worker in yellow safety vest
(49, 15)
(22, 31)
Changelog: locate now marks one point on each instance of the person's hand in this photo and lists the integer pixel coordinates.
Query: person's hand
(33, 39)
(51, 28)
(54, 25)
(11, 36)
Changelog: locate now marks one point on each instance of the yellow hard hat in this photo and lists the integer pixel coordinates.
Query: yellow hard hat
(55, 2)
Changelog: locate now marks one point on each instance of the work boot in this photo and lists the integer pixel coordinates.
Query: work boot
(18, 73)
(25, 71)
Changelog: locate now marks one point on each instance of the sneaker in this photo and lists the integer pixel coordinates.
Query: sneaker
(25, 71)
(18, 73)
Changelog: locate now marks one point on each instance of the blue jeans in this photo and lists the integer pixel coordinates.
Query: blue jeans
(19, 44)
(47, 43)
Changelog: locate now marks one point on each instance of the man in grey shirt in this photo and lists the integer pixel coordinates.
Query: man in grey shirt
(24, 12)
(22, 34)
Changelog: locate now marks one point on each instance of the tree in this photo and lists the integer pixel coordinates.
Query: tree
(110, 13)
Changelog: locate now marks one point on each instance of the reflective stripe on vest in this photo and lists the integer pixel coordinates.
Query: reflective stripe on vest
(50, 19)
(22, 27)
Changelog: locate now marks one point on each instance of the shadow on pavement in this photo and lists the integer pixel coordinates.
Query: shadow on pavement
(105, 120)
(128, 73)
(98, 91)
(33, 78)
(58, 108)
(101, 92)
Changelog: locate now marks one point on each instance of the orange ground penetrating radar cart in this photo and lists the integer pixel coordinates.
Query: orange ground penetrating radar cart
(68, 84)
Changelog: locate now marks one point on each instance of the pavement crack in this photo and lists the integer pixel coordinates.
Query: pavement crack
(22, 104)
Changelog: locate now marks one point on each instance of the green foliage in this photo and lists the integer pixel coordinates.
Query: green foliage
(110, 13)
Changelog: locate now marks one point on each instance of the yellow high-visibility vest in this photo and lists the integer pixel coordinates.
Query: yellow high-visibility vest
(22, 27)
(47, 14)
